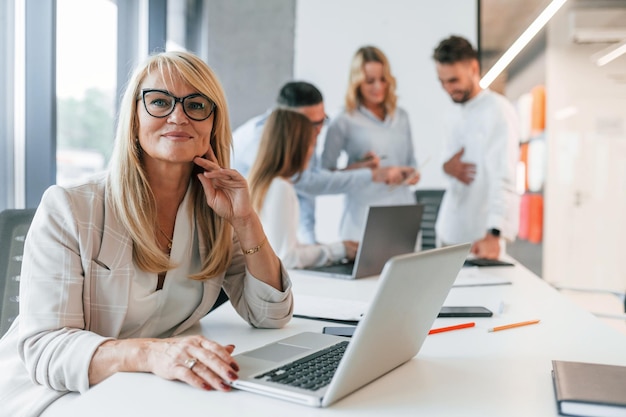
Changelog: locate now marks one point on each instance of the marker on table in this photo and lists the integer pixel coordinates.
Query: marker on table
(513, 325)
(449, 328)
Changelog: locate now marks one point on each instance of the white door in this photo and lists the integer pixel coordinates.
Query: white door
(585, 224)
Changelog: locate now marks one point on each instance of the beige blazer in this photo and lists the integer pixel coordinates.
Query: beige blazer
(74, 291)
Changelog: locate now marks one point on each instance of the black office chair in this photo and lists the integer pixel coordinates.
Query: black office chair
(431, 199)
(14, 224)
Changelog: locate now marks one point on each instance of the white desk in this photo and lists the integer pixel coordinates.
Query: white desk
(468, 372)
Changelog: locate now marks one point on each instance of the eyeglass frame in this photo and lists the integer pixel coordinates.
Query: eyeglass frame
(322, 122)
(176, 100)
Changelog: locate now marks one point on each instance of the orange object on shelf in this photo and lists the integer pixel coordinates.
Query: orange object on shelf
(538, 110)
(535, 218)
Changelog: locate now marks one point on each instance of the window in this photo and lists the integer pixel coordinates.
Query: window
(86, 87)
(7, 103)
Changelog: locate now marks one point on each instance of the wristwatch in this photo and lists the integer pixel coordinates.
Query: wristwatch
(494, 232)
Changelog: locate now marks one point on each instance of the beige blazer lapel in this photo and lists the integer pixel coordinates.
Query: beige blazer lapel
(108, 275)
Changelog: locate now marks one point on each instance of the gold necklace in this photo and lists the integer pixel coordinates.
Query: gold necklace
(169, 241)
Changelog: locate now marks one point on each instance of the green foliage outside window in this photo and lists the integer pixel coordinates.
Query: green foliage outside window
(87, 124)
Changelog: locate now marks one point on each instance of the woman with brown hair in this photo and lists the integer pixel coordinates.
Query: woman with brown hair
(287, 144)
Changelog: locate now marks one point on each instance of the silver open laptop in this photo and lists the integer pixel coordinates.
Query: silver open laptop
(385, 338)
(389, 231)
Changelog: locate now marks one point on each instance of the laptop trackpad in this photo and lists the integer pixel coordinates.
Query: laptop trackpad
(277, 352)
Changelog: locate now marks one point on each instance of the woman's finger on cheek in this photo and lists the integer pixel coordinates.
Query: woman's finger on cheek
(205, 163)
(207, 185)
(221, 179)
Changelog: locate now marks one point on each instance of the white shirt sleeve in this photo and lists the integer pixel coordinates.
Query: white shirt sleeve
(316, 181)
(279, 216)
(501, 162)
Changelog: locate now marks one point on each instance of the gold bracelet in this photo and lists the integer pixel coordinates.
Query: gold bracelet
(255, 249)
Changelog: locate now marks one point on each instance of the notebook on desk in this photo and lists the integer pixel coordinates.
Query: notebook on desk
(389, 231)
(386, 337)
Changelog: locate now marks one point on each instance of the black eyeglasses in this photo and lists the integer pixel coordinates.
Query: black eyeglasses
(160, 103)
(320, 123)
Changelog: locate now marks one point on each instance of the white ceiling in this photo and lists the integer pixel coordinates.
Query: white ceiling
(502, 21)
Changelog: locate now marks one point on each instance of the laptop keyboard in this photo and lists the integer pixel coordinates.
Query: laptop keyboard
(311, 372)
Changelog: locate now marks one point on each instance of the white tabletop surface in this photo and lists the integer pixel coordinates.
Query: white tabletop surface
(469, 372)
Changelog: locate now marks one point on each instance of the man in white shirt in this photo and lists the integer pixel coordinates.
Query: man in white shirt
(481, 203)
(307, 99)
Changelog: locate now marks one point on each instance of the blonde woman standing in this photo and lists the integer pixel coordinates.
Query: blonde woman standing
(287, 144)
(371, 128)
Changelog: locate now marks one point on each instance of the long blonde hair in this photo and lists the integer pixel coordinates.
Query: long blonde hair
(128, 189)
(362, 56)
(283, 151)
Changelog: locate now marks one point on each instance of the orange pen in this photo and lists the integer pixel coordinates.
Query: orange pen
(456, 327)
(513, 325)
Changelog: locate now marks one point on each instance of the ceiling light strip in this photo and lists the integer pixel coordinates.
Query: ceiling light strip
(521, 42)
(609, 54)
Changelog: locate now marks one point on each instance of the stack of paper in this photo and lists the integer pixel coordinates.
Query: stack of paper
(334, 309)
(475, 277)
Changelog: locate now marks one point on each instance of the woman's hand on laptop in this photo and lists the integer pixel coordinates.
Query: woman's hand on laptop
(351, 249)
(196, 360)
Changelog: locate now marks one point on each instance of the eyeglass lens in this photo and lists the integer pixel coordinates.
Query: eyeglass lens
(161, 104)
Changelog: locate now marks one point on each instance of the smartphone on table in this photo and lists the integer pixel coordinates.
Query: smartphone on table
(465, 311)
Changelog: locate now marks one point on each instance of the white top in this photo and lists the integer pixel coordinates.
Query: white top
(160, 312)
(279, 216)
(357, 133)
(312, 182)
(486, 127)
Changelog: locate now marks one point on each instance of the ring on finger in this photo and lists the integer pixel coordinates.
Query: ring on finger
(190, 363)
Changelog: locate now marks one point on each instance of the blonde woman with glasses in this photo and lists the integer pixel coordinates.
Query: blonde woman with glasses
(287, 144)
(115, 269)
(371, 129)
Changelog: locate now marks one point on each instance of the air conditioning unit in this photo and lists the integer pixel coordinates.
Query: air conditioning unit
(605, 25)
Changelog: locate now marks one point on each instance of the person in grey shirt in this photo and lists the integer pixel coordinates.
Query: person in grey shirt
(305, 98)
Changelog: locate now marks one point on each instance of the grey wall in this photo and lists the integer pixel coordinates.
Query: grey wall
(251, 48)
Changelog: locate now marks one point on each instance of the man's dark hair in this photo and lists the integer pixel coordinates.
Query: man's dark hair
(299, 94)
(454, 49)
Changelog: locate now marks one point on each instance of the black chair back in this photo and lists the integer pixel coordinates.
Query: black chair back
(431, 199)
(14, 224)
